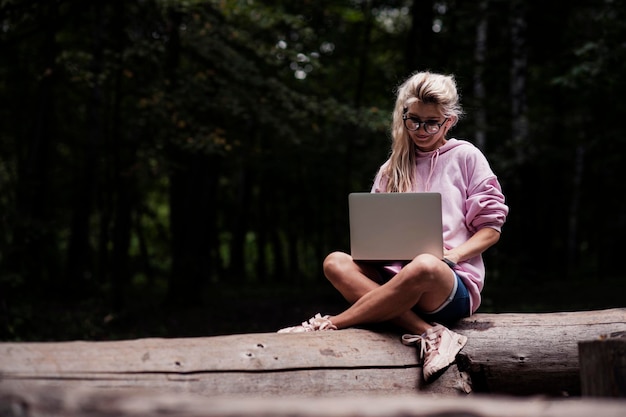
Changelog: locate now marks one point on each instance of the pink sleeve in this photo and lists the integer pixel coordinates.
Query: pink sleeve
(486, 206)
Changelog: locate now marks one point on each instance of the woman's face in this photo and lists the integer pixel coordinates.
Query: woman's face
(428, 116)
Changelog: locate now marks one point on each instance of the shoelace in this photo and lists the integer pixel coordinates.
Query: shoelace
(319, 323)
(426, 343)
(418, 341)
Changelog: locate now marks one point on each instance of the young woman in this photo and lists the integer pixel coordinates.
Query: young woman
(426, 294)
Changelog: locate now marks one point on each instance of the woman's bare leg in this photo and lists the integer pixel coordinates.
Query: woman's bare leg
(425, 281)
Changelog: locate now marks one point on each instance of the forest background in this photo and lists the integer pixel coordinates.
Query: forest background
(181, 168)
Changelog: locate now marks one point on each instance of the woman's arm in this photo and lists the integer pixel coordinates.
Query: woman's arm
(477, 244)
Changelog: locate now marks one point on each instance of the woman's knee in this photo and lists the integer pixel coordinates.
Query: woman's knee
(424, 267)
(336, 263)
(427, 261)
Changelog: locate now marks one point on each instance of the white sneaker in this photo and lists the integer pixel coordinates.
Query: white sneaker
(438, 347)
(315, 323)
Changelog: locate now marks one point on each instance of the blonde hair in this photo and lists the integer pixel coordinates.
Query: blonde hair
(429, 88)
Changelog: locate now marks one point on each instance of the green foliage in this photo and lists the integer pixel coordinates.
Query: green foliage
(164, 150)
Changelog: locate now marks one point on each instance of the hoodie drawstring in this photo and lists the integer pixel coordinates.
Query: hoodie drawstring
(433, 163)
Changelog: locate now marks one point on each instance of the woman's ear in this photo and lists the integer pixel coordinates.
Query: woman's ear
(451, 122)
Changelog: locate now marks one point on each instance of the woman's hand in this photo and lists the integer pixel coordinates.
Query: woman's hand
(474, 246)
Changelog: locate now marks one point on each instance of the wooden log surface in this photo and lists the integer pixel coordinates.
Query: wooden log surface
(249, 364)
(38, 401)
(511, 353)
(525, 354)
(603, 366)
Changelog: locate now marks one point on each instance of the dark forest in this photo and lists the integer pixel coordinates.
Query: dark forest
(181, 168)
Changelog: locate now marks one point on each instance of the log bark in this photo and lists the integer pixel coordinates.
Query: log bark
(527, 354)
(519, 354)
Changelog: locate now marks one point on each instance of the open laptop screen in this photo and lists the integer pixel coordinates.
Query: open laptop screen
(395, 226)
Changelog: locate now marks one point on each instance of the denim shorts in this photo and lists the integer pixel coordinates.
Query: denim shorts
(457, 308)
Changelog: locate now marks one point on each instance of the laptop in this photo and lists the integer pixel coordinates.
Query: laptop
(395, 226)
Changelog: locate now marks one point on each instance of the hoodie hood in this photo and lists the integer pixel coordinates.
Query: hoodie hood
(432, 157)
(450, 144)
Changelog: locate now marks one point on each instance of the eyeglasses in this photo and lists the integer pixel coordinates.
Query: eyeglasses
(413, 124)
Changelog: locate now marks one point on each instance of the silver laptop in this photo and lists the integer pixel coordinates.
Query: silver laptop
(395, 226)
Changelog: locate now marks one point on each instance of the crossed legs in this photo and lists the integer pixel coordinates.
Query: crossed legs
(425, 282)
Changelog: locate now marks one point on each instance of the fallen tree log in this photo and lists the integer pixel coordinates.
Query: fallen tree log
(90, 402)
(518, 354)
(524, 354)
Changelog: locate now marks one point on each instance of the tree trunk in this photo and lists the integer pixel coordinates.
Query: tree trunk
(193, 185)
(480, 56)
(517, 354)
(519, 68)
(32, 251)
(79, 263)
(419, 48)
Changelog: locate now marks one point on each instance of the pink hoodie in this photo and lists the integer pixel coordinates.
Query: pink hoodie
(471, 199)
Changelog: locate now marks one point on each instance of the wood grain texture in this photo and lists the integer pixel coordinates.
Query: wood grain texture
(525, 354)
(89, 402)
(603, 366)
(519, 354)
